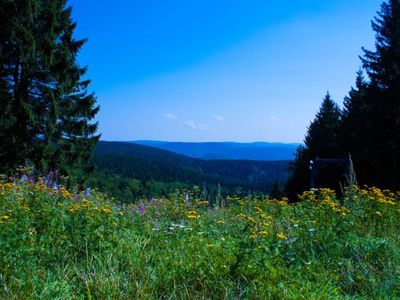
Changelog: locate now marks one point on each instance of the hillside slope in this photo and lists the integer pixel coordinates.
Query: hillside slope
(143, 163)
(228, 150)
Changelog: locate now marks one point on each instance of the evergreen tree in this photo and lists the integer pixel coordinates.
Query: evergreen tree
(383, 69)
(321, 141)
(321, 138)
(46, 108)
(356, 125)
(371, 123)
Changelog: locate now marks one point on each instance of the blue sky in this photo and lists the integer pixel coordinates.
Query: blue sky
(219, 70)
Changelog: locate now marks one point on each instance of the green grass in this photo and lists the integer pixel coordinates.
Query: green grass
(55, 245)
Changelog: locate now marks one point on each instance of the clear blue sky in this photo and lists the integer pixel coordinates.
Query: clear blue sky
(219, 70)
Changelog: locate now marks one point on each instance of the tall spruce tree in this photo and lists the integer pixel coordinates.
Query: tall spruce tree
(321, 141)
(383, 69)
(46, 111)
(371, 123)
(356, 125)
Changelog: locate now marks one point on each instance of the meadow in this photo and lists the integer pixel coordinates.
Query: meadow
(59, 244)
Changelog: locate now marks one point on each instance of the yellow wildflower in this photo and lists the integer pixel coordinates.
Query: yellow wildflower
(106, 210)
(253, 235)
(220, 222)
(193, 215)
(281, 236)
(252, 220)
(258, 210)
(378, 213)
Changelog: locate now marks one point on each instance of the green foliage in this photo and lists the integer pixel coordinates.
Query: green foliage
(321, 141)
(46, 110)
(159, 172)
(57, 244)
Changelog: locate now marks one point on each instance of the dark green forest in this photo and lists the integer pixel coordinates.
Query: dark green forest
(132, 171)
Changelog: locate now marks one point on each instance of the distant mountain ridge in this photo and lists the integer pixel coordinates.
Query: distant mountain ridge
(262, 151)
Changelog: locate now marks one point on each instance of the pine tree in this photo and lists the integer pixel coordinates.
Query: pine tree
(356, 125)
(45, 105)
(321, 141)
(383, 69)
(355, 116)
(321, 138)
(371, 122)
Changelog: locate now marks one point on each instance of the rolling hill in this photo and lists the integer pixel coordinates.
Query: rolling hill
(148, 164)
(228, 150)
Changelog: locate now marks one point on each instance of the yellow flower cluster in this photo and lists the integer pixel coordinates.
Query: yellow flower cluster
(40, 186)
(192, 214)
(308, 195)
(79, 206)
(253, 234)
(384, 197)
(245, 217)
(261, 214)
(260, 227)
(326, 193)
(324, 197)
(107, 211)
(281, 202)
(5, 218)
(336, 207)
(65, 193)
(281, 236)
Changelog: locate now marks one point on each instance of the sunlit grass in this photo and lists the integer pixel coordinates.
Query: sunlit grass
(59, 244)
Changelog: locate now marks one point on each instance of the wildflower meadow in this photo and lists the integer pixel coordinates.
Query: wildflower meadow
(60, 244)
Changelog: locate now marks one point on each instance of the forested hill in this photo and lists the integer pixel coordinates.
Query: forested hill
(147, 164)
(228, 150)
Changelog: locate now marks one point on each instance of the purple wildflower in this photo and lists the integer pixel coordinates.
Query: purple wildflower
(47, 181)
(141, 209)
(187, 200)
(55, 187)
(88, 193)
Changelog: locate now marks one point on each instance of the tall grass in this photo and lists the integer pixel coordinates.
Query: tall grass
(58, 245)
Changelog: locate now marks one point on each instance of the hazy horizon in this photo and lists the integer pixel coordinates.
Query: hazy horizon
(177, 141)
